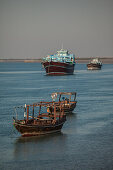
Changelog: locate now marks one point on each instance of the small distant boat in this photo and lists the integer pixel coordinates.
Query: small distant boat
(42, 122)
(95, 64)
(66, 99)
(61, 63)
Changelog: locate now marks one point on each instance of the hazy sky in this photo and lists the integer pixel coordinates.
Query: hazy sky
(35, 28)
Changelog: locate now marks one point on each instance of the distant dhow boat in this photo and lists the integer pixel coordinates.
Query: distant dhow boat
(95, 64)
(61, 63)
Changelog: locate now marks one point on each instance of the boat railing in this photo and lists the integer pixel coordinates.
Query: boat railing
(61, 59)
(49, 115)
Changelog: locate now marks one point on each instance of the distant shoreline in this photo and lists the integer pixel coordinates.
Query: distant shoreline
(105, 60)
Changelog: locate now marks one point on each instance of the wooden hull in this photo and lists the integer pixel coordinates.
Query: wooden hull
(34, 130)
(68, 107)
(94, 66)
(58, 68)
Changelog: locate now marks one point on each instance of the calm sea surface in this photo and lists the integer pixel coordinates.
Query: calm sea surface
(86, 140)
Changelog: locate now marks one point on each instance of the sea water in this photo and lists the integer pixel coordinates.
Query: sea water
(86, 139)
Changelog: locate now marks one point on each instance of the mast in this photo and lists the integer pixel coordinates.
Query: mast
(27, 113)
(62, 46)
(33, 112)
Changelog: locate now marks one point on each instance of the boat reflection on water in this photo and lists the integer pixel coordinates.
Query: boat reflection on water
(38, 139)
(27, 147)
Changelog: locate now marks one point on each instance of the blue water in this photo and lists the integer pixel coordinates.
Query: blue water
(86, 140)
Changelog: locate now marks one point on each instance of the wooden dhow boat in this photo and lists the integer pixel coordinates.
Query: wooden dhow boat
(42, 122)
(66, 99)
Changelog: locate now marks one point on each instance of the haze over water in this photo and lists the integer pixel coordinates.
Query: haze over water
(86, 139)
